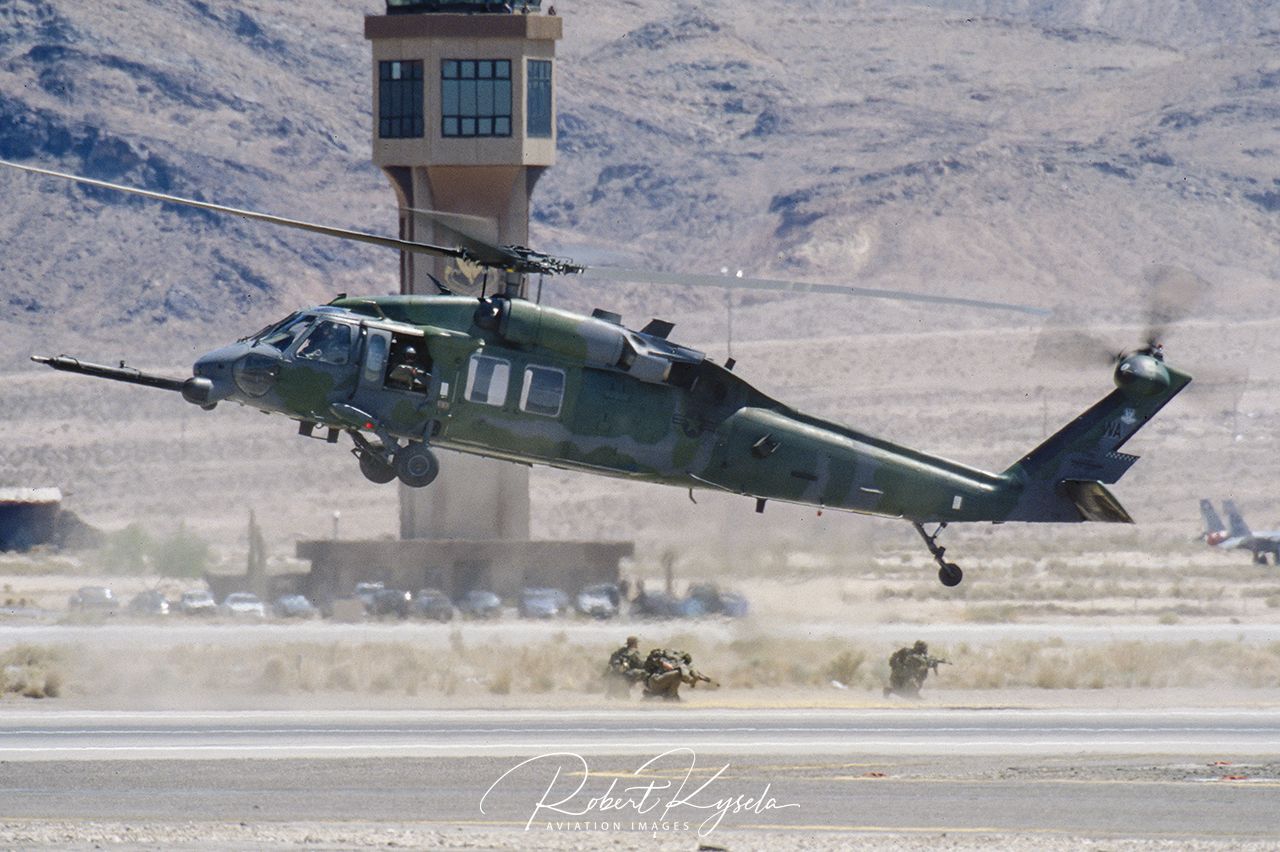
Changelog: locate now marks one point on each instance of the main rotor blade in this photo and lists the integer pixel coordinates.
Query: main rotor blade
(341, 233)
(476, 234)
(644, 276)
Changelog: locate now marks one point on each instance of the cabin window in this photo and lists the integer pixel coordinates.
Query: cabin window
(487, 380)
(475, 97)
(329, 343)
(400, 99)
(543, 391)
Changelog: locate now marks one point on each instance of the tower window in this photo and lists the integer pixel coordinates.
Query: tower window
(539, 111)
(400, 99)
(475, 97)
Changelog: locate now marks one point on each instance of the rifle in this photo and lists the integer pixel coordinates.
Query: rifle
(694, 678)
(934, 662)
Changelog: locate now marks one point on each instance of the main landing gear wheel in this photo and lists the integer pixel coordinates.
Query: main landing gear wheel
(416, 466)
(950, 574)
(375, 469)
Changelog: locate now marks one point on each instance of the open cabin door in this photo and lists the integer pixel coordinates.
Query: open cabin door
(396, 361)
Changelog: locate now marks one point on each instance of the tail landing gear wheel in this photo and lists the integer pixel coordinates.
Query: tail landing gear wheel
(950, 574)
(416, 466)
(375, 469)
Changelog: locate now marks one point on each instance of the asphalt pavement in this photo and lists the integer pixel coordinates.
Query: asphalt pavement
(1155, 774)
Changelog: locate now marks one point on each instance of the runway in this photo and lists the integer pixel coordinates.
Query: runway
(1172, 774)
(633, 729)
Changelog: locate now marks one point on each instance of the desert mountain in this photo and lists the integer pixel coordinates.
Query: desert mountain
(1042, 152)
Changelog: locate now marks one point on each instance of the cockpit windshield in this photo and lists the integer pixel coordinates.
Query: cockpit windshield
(272, 327)
(284, 332)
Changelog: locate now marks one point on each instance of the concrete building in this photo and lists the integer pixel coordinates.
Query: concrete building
(456, 567)
(28, 517)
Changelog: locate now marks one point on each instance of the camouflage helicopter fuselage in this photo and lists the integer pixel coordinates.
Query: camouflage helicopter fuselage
(509, 379)
(513, 380)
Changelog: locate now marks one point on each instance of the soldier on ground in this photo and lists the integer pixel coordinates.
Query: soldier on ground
(625, 669)
(665, 670)
(908, 668)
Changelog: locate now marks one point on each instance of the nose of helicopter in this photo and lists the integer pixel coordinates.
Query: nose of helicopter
(215, 371)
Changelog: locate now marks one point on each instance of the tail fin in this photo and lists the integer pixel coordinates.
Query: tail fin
(1063, 479)
(1212, 523)
(1238, 526)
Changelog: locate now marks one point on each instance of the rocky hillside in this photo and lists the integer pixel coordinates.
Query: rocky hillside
(1045, 152)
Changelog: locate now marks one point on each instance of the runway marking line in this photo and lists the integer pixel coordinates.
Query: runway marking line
(743, 771)
(1146, 782)
(966, 746)
(949, 829)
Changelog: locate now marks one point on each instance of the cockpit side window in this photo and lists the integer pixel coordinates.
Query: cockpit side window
(329, 342)
(286, 332)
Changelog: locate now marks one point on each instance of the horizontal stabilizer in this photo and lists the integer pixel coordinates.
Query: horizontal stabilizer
(1102, 467)
(1094, 501)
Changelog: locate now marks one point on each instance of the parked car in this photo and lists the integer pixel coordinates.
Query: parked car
(433, 604)
(479, 603)
(197, 603)
(93, 599)
(294, 606)
(600, 600)
(656, 605)
(390, 602)
(243, 605)
(366, 591)
(542, 603)
(149, 603)
(708, 599)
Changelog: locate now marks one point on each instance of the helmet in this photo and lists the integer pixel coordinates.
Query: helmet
(921, 648)
(410, 353)
(632, 641)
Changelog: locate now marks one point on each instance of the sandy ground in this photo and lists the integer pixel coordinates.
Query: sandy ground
(217, 836)
(220, 836)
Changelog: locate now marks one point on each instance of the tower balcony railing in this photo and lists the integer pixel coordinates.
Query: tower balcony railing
(416, 7)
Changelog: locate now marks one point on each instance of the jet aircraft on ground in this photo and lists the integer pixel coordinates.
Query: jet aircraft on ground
(1236, 535)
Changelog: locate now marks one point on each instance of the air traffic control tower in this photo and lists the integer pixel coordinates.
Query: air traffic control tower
(463, 122)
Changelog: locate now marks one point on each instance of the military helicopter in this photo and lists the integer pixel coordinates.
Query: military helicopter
(503, 377)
